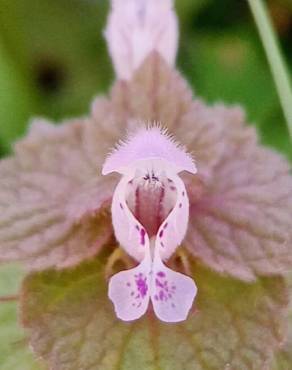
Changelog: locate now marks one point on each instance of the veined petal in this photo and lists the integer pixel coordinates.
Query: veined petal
(135, 28)
(172, 293)
(130, 290)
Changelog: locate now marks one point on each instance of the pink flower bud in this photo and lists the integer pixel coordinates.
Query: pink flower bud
(136, 28)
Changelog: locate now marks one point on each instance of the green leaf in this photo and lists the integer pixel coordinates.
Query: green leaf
(72, 325)
(13, 346)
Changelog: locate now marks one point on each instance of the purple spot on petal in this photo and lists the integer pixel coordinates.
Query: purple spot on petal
(165, 290)
(142, 234)
(137, 227)
(142, 286)
(121, 206)
(165, 225)
(180, 205)
(173, 305)
(161, 234)
(128, 283)
(173, 188)
(183, 193)
(156, 297)
(158, 283)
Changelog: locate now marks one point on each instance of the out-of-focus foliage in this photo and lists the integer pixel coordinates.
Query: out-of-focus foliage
(14, 351)
(53, 60)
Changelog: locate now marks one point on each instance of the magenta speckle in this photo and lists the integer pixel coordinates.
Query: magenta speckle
(161, 234)
(173, 188)
(128, 283)
(142, 286)
(142, 234)
(165, 291)
(158, 283)
(137, 227)
(180, 205)
(121, 206)
(183, 193)
(165, 225)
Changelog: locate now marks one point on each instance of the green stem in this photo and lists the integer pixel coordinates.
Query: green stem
(277, 64)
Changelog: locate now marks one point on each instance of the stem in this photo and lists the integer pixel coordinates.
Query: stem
(9, 298)
(275, 58)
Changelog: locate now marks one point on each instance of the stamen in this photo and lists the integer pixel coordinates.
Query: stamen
(117, 256)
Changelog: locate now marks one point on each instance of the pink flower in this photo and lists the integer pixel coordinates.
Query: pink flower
(229, 213)
(55, 203)
(150, 212)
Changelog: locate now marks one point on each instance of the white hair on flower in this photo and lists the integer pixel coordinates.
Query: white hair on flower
(135, 28)
(154, 142)
(150, 211)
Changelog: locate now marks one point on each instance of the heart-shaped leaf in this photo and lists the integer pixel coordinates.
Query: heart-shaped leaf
(72, 324)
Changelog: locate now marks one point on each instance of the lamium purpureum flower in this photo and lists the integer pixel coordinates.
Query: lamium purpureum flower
(150, 212)
(236, 212)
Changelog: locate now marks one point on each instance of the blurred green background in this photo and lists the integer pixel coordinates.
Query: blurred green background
(53, 60)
